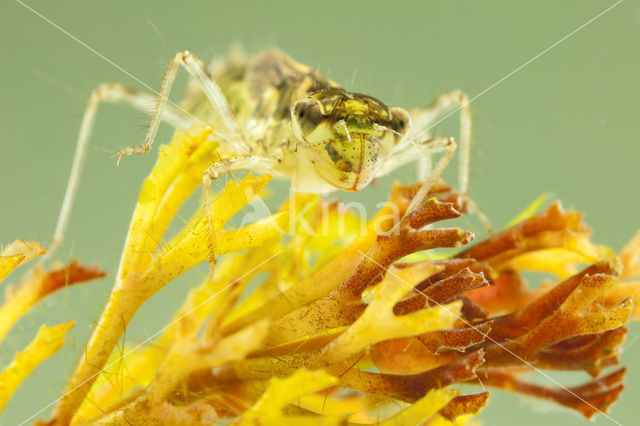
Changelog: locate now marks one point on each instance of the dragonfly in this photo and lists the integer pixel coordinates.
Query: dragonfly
(272, 114)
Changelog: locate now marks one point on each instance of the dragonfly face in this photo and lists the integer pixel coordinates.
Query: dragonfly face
(347, 136)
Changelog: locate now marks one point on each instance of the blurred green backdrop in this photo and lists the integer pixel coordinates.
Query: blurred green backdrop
(566, 123)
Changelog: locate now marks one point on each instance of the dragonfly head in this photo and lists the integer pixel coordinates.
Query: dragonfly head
(347, 136)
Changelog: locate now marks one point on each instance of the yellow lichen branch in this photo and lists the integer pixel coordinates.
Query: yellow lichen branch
(147, 265)
(16, 254)
(282, 392)
(340, 320)
(46, 343)
(33, 286)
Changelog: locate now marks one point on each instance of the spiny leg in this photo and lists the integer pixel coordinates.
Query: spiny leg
(430, 147)
(426, 147)
(435, 113)
(107, 92)
(438, 111)
(217, 169)
(225, 124)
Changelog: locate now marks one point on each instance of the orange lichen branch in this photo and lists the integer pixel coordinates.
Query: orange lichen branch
(591, 353)
(412, 387)
(589, 399)
(36, 285)
(442, 291)
(342, 320)
(463, 405)
(517, 323)
(344, 305)
(336, 271)
(553, 227)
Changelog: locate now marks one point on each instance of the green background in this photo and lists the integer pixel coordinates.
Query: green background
(566, 123)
